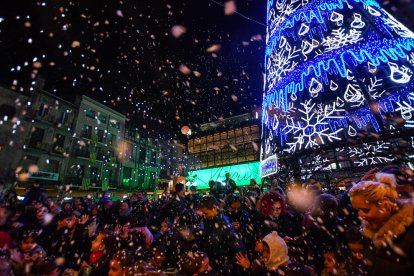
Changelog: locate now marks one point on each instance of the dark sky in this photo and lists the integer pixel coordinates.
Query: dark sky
(123, 54)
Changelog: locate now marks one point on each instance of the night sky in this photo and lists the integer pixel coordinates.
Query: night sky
(163, 63)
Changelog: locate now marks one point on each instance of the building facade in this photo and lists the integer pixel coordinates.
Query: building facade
(84, 145)
(223, 146)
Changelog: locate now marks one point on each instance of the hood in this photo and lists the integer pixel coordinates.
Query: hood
(278, 251)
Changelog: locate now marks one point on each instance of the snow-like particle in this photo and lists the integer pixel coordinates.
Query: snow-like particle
(214, 48)
(75, 44)
(178, 30)
(230, 7)
(184, 69)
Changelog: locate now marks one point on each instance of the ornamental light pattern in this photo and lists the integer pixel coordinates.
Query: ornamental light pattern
(339, 73)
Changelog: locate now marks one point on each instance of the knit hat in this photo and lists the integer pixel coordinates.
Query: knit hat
(278, 251)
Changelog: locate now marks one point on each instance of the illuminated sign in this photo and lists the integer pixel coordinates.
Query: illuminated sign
(44, 176)
(268, 166)
(240, 173)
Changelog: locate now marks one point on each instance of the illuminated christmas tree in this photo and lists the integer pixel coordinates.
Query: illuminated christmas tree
(339, 88)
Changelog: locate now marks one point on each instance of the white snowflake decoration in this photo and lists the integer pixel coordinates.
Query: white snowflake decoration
(312, 129)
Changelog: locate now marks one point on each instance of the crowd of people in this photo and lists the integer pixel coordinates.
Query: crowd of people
(367, 229)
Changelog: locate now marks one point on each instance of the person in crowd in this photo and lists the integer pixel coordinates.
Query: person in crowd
(273, 259)
(230, 184)
(27, 254)
(124, 212)
(35, 194)
(5, 237)
(121, 263)
(334, 263)
(219, 239)
(241, 220)
(193, 198)
(356, 264)
(388, 225)
(6, 265)
(323, 229)
(102, 250)
(275, 216)
(106, 196)
(196, 264)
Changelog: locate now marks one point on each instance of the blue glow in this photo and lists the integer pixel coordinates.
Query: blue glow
(313, 10)
(336, 68)
(376, 52)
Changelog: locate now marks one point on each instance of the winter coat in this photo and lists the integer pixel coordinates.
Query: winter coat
(322, 233)
(221, 243)
(247, 227)
(390, 250)
(34, 194)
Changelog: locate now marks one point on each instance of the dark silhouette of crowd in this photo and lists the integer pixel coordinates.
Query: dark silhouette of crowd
(365, 229)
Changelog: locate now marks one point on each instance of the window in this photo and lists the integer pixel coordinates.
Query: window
(99, 154)
(102, 118)
(54, 166)
(154, 158)
(63, 118)
(90, 113)
(58, 143)
(126, 175)
(101, 136)
(36, 138)
(43, 110)
(141, 177)
(87, 132)
(142, 154)
(83, 150)
(95, 176)
(152, 178)
(114, 123)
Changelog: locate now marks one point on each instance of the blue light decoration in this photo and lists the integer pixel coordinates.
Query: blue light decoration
(339, 78)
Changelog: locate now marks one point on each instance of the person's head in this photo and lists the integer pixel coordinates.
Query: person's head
(333, 260)
(227, 175)
(106, 194)
(375, 201)
(272, 204)
(41, 213)
(179, 189)
(63, 220)
(193, 189)
(28, 243)
(194, 263)
(5, 213)
(209, 206)
(212, 184)
(273, 250)
(125, 208)
(36, 184)
(48, 201)
(354, 240)
(107, 205)
(104, 242)
(120, 262)
(253, 182)
(325, 205)
(233, 203)
(165, 226)
(67, 206)
(5, 266)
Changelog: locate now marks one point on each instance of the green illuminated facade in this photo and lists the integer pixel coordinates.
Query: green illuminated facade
(240, 173)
